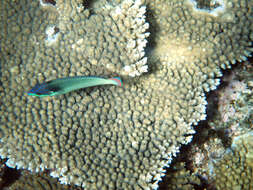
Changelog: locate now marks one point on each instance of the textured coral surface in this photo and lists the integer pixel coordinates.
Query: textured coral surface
(40, 181)
(109, 137)
(215, 144)
(235, 170)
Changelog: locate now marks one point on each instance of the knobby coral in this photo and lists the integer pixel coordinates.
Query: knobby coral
(235, 169)
(108, 138)
(40, 181)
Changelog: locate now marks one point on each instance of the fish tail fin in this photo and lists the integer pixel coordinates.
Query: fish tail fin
(118, 80)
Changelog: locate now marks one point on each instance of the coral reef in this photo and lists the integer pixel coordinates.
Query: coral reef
(113, 38)
(41, 181)
(235, 102)
(7, 175)
(109, 138)
(234, 118)
(212, 142)
(203, 155)
(179, 178)
(235, 170)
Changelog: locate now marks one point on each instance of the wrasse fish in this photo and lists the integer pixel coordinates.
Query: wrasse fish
(65, 85)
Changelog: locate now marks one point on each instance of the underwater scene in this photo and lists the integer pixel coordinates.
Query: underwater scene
(126, 94)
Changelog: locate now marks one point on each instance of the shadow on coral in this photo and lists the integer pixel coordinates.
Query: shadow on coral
(10, 175)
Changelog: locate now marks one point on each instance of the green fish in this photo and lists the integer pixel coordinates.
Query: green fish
(64, 85)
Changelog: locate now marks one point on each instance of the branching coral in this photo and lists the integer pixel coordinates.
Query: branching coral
(109, 138)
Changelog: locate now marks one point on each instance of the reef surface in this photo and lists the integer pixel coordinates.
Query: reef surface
(168, 53)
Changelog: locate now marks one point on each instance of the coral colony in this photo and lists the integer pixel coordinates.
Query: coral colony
(111, 137)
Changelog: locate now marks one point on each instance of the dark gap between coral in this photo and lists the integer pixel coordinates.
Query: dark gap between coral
(203, 133)
(10, 175)
(51, 2)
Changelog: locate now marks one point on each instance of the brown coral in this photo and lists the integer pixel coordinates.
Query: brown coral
(40, 181)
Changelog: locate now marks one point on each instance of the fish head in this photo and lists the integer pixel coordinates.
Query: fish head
(41, 90)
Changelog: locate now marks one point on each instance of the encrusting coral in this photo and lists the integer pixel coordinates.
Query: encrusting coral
(235, 170)
(111, 138)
